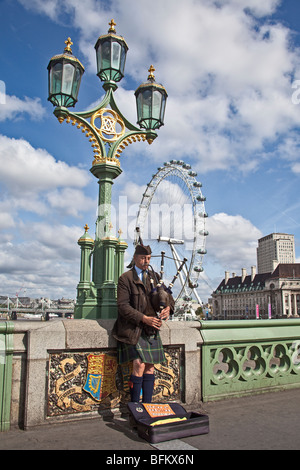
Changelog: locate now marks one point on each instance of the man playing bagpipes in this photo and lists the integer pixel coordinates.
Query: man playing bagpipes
(142, 306)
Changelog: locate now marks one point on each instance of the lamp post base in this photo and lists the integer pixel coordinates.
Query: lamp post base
(108, 306)
(96, 302)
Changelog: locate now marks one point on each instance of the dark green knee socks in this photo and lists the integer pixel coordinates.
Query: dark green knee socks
(137, 383)
(148, 386)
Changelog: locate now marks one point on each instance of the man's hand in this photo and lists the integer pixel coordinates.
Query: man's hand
(165, 314)
(156, 322)
(152, 321)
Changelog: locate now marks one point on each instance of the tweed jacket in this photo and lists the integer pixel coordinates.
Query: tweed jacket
(133, 300)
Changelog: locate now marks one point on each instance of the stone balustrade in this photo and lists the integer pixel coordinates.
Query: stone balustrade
(249, 356)
(67, 369)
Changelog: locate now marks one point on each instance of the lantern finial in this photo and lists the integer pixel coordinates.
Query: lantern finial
(68, 43)
(112, 25)
(151, 75)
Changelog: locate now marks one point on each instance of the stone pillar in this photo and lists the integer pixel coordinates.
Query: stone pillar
(295, 304)
(283, 302)
(289, 304)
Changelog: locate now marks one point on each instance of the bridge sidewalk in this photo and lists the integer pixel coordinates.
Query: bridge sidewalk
(260, 422)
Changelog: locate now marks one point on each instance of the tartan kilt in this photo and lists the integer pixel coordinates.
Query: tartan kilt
(148, 348)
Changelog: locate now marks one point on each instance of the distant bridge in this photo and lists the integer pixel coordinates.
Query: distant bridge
(61, 312)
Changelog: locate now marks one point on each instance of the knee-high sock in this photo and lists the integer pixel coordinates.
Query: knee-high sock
(148, 386)
(135, 385)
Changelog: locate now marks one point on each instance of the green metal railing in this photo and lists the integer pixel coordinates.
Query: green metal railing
(249, 356)
(6, 356)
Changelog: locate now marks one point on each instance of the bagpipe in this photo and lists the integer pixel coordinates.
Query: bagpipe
(160, 294)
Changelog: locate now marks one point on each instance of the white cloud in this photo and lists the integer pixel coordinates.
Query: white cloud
(24, 168)
(12, 107)
(288, 149)
(257, 7)
(232, 241)
(47, 260)
(47, 7)
(60, 240)
(231, 246)
(43, 255)
(6, 220)
(70, 201)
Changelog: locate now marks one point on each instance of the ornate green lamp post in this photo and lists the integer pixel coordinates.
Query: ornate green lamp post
(102, 258)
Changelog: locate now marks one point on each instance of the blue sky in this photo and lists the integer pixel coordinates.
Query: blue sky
(232, 113)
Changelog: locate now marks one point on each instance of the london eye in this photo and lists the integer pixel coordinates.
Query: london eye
(171, 219)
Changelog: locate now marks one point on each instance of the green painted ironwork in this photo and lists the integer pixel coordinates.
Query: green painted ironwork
(85, 121)
(109, 132)
(249, 356)
(6, 356)
(96, 294)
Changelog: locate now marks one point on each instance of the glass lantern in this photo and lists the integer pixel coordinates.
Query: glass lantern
(111, 53)
(151, 100)
(65, 72)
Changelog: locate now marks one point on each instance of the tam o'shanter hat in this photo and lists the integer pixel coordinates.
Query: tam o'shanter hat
(142, 250)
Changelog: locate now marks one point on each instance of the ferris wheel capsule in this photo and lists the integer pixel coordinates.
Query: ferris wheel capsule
(194, 285)
(186, 166)
(187, 298)
(198, 269)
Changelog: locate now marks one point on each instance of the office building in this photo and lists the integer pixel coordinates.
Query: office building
(274, 249)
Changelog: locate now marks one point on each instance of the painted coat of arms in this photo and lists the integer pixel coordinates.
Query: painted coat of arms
(101, 373)
(92, 381)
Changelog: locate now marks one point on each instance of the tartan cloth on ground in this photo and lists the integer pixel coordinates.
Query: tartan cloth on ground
(149, 349)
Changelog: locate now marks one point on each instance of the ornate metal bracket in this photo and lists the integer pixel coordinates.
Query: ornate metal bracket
(105, 128)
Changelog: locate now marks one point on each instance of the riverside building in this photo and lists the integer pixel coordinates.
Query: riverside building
(273, 293)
